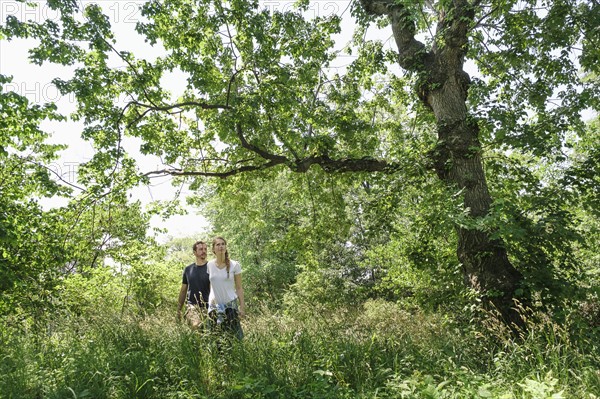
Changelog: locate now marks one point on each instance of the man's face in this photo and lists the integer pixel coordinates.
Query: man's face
(201, 251)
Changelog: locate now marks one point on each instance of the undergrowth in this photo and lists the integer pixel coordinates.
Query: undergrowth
(377, 350)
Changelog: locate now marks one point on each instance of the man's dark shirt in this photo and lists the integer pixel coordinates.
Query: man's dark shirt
(198, 284)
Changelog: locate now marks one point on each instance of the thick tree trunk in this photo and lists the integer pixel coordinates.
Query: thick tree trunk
(458, 162)
(443, 88)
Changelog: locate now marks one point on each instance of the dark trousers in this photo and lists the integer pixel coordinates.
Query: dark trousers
(228, 322)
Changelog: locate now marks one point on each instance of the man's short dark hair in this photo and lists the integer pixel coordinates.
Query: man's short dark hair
(196, 245)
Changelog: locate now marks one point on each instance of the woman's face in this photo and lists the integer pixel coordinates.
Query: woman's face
(219, 246)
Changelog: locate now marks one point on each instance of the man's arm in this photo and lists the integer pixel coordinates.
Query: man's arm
(182, 295)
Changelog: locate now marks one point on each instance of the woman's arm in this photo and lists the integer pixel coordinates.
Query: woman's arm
(240, 293)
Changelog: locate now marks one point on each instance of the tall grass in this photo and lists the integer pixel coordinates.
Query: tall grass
(377, 350)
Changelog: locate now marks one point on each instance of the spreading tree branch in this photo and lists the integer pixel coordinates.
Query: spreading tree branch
(200, 104)
(224, 174)
(329, 165)
(365, 164)
(412, 54)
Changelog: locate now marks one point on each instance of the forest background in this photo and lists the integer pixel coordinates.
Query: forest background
(417, 220)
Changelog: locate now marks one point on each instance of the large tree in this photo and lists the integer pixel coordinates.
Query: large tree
(261, 92)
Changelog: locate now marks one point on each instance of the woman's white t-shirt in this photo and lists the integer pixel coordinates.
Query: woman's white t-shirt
(222, 289)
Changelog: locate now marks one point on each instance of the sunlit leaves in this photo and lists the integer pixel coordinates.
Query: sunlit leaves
(529, 56)
(27, 233)
(233, 87)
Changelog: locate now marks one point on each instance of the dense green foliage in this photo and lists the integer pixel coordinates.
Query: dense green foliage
(261, 92)
(375, 350)
(341, 197)
(40, 248)
(23, 155)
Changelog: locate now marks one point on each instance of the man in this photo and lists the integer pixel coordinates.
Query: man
(195, 286)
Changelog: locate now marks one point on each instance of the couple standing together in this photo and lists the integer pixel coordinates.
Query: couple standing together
(213, 287)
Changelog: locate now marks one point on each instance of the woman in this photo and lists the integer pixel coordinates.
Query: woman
(226, 299)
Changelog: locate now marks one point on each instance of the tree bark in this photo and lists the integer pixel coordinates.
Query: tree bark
(457, 161)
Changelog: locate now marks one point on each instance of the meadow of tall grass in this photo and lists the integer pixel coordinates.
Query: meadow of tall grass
(375, 350)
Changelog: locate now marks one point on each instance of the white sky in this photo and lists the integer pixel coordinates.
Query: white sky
(33, 81)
